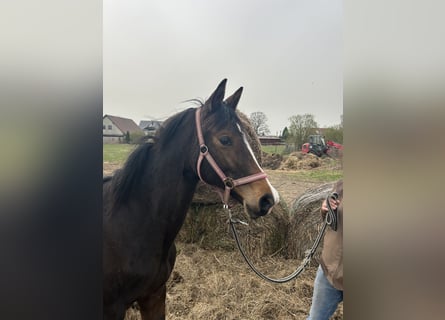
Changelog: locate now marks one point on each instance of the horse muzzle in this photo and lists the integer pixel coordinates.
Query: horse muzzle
(258, 198)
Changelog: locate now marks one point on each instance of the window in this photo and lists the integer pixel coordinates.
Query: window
(104, 127)
(110, 127)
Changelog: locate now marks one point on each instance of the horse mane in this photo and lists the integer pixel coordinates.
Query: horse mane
(169, 129)
(127, 180)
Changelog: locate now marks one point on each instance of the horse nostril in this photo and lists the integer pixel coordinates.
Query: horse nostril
(266, 202)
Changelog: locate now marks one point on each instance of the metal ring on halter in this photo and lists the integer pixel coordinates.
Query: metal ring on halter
(229, 183)
(203, 149)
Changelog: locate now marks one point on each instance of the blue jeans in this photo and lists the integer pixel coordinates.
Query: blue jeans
(325, 298)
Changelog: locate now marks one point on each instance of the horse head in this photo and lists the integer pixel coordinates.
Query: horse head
(230, 162)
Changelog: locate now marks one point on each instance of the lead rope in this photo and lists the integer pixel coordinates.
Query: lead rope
(331, 216)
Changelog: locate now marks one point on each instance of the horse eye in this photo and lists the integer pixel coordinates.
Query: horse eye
(225, 141)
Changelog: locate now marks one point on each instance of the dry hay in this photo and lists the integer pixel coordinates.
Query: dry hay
(272, 161)
(207, 226)
(204, 194)
(298, 161)
(332, 163)
(305, 220)
(218, 284)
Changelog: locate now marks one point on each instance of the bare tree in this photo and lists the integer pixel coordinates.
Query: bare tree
(301, 126)
(335, 133)
(258, 121)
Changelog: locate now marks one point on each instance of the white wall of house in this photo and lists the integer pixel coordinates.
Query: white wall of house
(109, 128)
(110, 133)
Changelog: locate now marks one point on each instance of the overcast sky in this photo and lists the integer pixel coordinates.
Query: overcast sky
(286, 54)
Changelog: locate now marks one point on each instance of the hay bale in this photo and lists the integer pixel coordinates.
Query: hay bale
(272, 161)
(299, 161)
(207, 226)
(298, 154)
(305, 220)
(267, 235)
(204, 194)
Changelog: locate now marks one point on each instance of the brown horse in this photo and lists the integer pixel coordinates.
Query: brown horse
(145, 202)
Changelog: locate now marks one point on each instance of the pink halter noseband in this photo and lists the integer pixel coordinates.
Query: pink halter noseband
(229, 182)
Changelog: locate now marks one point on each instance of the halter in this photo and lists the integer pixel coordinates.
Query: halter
(229, 183)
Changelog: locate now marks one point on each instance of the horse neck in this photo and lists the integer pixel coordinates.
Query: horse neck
(172, 169)
(170, 178)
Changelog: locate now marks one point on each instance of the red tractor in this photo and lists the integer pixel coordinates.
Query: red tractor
(318, 146)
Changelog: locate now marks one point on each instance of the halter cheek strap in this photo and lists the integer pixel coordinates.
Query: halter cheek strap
(229, 183)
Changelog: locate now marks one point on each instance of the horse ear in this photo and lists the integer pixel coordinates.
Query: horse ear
(233, 100)
(217, 96)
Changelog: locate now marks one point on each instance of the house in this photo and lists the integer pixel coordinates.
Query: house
(150, 127)
(114, 129)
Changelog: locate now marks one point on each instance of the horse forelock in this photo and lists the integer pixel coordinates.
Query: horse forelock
(219, 118)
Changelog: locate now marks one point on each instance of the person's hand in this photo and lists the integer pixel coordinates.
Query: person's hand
(334, 204)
